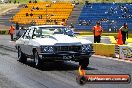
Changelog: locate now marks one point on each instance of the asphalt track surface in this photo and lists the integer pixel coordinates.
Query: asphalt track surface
(14, 74)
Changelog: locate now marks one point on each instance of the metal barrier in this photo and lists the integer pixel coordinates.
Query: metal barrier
(104, 49)
(113, 50)
(125, 52)
(117, 51)
(4, 32)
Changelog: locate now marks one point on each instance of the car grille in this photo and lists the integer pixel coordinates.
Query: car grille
(68, 48)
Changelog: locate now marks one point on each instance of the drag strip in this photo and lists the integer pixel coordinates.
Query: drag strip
(13, 49)
(29, 76)
(57, 75)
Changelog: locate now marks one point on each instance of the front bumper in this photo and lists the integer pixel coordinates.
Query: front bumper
(65, 56)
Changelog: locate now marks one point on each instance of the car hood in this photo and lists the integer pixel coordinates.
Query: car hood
(60, 39)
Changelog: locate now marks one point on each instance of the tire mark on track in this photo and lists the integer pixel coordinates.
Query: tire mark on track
(49, 73)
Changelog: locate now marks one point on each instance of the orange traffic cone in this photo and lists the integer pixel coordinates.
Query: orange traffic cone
(119, 41)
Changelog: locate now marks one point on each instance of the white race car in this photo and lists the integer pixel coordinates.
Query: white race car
(53, 43)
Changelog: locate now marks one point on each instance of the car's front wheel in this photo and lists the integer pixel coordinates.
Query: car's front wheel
(84, 63)
(37, 59)
(21, 56)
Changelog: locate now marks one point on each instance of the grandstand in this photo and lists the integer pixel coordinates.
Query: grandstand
(111, 15)
(43, 13)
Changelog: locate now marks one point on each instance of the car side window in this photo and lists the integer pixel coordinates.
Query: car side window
(37, 32)
(26, 36)
(30, 34)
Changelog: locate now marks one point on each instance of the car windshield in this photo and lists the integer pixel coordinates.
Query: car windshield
(43, 31)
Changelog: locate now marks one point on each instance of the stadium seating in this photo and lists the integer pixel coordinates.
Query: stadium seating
(111, 15)
(41, 11)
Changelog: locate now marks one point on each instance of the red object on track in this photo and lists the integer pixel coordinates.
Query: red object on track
(119, 41)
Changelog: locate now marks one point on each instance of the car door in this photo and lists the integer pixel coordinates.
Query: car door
(21, 40)
(29, 43)
(26, 39)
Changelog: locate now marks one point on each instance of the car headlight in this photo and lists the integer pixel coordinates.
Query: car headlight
(47, 49)
(86, 48)
(51, 49)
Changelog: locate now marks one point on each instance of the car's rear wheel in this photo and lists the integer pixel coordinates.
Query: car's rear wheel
(84, 63)
(37, 59)
(21, 56)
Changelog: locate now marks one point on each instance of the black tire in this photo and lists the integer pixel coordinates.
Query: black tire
(84, 63)
(21, 56)
(81, 80)
(37, 60)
